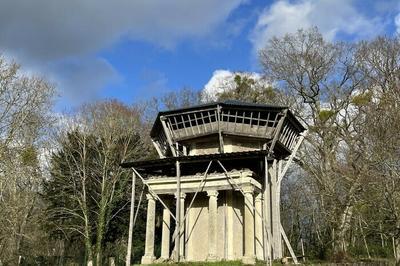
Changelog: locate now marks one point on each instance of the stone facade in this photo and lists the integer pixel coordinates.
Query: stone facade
(221, 224)
(233, 214)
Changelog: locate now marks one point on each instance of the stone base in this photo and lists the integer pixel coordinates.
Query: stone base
(212, 258)
(161, 260)
(249, 260)
(148, 259)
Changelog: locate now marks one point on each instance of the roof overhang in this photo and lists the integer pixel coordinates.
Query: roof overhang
(229, 103)
(170, 161)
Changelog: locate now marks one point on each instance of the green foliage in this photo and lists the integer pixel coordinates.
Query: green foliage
(247, 89)
(88, 192)
(362, 99)
(325, 115)
(29, 156)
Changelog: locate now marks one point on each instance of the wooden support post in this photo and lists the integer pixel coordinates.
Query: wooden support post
(154, 194)
(255, 211)
(199, 188)
(157, 146)
(288, 244)
(291, 157)
(267, 211)
(168, 135)
(130, 232)
(185, 153)
(221, 140)
(190, 123)
(277, 131)
(204, 123)
(178, 211)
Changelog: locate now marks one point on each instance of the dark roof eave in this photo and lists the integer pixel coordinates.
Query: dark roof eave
(170, 161)
(231, 103)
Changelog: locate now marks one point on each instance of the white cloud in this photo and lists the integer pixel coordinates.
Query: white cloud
(397, 23)
(50, 37)
(50, 29)
(332, 17)
(223, 80)
(217, 83)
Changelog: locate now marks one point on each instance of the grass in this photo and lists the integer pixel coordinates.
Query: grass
(217, 263)
(259, 263)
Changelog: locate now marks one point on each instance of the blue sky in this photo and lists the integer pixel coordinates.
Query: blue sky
(133, 50)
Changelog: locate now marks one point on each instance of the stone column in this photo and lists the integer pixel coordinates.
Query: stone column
(259, 227)
(275, 213)
(212, 224)
(165, 238)
(182, 231)
(249, 257)
(229, 222)
(148, 257)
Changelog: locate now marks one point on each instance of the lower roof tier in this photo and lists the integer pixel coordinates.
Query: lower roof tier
(198, 163)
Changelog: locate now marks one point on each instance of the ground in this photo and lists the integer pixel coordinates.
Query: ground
(374, 262)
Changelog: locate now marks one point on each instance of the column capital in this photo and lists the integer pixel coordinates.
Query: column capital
(150, 196)
(212, 193)
(248, 190)
(183, 195)
(259, 197)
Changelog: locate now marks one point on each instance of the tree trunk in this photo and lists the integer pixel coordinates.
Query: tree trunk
(345, 222)
(100, 233)
(364, 238)
(397, 250)
(88, 247)
(88, 242)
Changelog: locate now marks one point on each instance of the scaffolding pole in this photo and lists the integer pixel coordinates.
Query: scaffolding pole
(178, 210)
(129, 248)
(154, 194)
(241, 191)
(199, 188)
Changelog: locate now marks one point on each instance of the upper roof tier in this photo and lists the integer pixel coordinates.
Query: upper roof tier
(233, 121)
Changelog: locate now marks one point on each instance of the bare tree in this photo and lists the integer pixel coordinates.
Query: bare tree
(87, 181)
(24, 118)
(324, 76)
(380, 105)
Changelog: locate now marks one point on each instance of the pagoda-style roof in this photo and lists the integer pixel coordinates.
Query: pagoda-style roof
(265, 122)
(227, 104)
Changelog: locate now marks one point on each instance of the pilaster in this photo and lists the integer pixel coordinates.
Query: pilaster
(165, 238)
(149, 257)
(259, 236)
(212, 224)
(249, 257)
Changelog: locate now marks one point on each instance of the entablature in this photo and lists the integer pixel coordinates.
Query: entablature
(213, 181)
